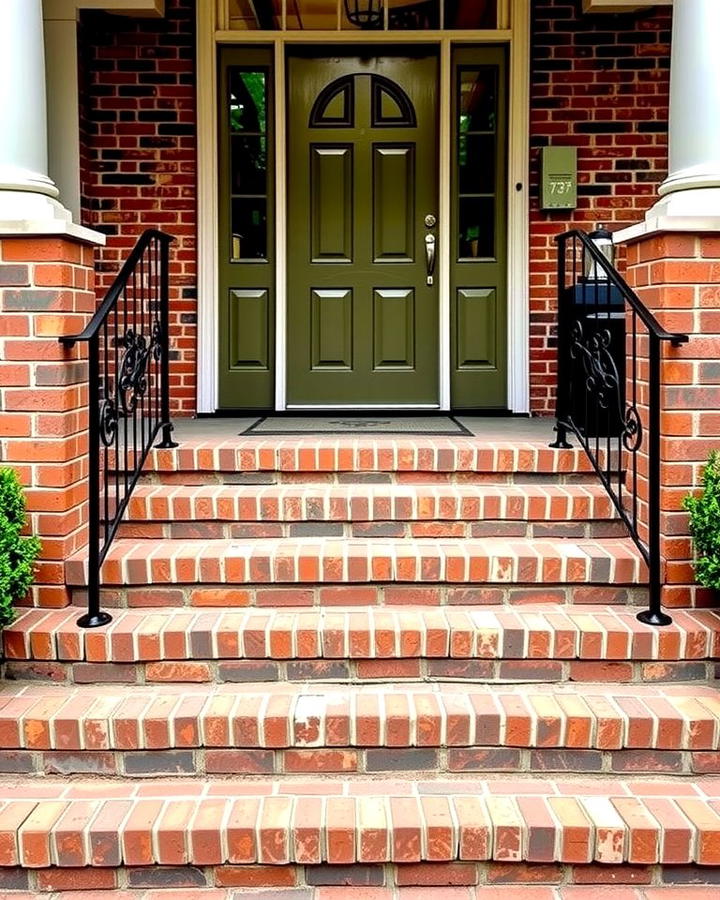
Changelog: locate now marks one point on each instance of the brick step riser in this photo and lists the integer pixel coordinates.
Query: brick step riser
(197, 477)
(217, 530)
(289, 882)
(220, 761)
(390, 595)
(249, 671)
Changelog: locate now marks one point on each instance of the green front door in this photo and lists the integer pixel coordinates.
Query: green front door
(362, 302)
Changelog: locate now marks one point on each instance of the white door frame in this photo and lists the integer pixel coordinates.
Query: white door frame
(517, 39)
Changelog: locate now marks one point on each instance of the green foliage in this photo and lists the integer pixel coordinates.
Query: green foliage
(705, 524)
(17, 554)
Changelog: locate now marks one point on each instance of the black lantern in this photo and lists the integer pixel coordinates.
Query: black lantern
(366, 14)
(603, 241)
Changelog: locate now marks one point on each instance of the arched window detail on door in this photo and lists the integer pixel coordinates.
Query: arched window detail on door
(391, 106)
(334, 106)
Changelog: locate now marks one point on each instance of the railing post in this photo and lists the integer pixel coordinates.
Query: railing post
(167, 427)
(94, 617)
(562, 393)
(654, 615)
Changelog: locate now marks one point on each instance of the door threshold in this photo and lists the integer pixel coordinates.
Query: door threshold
(361, 407)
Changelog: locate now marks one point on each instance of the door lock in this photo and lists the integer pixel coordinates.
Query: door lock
(430, 220)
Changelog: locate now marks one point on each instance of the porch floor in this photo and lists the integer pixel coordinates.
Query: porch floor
(490, 428)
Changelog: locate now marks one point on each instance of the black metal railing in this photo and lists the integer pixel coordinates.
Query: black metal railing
(128, 398)
(609, 392)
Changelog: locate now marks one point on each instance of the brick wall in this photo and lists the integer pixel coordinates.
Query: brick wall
(599, 83)
(139, 158)
(46, 290)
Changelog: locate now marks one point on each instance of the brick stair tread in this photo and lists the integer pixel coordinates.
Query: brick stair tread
(305, 716)
(531, 632)
(276, 822)
(482, 891)
(363, 502)
(381, 454)
(358, 560)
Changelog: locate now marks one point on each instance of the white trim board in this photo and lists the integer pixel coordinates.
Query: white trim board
(518, 41)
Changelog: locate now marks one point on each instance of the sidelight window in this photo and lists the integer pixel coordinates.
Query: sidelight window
(247, 101)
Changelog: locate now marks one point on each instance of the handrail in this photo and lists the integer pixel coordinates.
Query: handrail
(128, 397)
(609, 392)
(647, 318)
(115, 289)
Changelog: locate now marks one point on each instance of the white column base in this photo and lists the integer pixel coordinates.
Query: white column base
(696, 203)
(20, 208)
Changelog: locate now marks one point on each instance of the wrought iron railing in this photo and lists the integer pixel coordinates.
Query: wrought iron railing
(610, 350)
(129, 396)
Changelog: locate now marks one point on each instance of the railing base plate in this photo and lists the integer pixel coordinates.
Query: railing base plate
(95, 620)
(648, 617)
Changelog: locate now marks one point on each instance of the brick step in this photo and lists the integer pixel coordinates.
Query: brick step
(368, 502)
(333, 454)
(455, 875)
(209, 530)
(529, 643)
(282, 822)
(357, 561)
(382, 594)
(340, 890)
(290, 729)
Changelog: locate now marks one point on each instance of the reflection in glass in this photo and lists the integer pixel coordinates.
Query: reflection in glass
(413, 16)
(478, 99)
(477, 227)
(253, 15)
(249, 164)
(470, 14)
(329, 15)
(476, 164)
(249, 228)
(248, 101)
(312, 15)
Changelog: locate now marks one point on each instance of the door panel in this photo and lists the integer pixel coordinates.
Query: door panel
(476, 332)
(248, 337)
(394, 329)
(331, 196)
(332, 329)
(393, 203)
(362, 176)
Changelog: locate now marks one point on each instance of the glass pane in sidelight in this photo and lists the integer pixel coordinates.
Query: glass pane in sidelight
(254, 15)
(471, 13)
(248, 101)
(312, 15)
(477, 100)
(249, 228)
(249, 164)
(476, 237)
(476, 163)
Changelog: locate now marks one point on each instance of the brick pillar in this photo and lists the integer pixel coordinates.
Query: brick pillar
(677, 276)
(46, 290)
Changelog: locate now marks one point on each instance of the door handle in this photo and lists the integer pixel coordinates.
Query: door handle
(430, 257)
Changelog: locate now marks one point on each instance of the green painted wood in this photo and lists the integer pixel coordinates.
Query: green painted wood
(362, 323)
(246, 277)
(478, 250)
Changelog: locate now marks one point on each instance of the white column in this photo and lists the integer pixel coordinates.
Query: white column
(27, 194)
(692, 187)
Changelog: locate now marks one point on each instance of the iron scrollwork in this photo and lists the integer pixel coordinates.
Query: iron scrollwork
(133, 377)
(602, 382)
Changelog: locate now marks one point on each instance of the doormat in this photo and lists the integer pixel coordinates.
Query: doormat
(296, 425)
